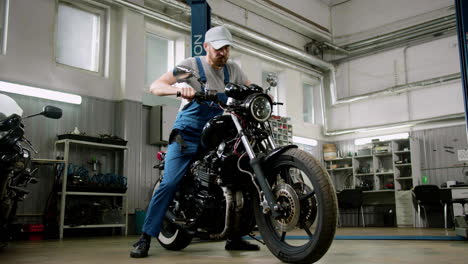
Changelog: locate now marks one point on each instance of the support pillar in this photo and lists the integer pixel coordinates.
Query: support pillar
(461, 10)
(201, 22)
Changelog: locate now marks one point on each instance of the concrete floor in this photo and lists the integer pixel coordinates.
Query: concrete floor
(115, 250)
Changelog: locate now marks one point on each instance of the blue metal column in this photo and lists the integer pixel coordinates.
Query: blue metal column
(461, 9)
(201, 22)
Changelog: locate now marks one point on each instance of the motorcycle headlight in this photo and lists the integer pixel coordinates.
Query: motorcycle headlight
(259, 106)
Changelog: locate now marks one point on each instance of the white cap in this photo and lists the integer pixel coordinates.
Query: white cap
(218, 37)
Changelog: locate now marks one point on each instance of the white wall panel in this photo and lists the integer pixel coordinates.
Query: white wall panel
(358, 16)
(342, 80)
(379, 111)
(339, 118)
(276, 31)
(375, 72)
(314, 10)
(433, 59)
(133, 71)
(258, 23)
(437, 101)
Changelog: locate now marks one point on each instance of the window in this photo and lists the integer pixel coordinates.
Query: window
(159, 57)
(3, 24)
(307, 103)
(274, 89)
(81, 35)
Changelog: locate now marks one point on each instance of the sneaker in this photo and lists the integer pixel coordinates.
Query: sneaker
(240, 244)
(140, 249)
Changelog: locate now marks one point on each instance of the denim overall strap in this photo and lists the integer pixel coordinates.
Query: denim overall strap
(201, 71)
(193, 117)
(226, 75)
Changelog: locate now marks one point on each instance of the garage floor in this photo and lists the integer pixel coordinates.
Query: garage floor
(115, 250)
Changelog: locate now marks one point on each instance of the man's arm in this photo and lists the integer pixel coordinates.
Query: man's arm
(163, 87)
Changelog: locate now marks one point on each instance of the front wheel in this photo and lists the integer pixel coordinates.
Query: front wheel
(305, 193)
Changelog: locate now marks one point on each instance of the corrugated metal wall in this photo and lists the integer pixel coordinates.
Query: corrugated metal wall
(439, 148)
(93, 116)
(126, 119)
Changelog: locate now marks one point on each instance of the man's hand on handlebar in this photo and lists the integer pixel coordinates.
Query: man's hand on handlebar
(185, 91)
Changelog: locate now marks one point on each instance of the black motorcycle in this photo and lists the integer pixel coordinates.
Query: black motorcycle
(241, 180)
(15, 167)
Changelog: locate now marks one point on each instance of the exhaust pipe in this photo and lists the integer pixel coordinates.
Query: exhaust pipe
(229, 208)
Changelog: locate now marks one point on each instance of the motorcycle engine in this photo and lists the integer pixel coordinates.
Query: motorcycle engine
(208, 196)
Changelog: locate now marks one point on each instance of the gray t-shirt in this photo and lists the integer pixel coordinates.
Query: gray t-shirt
(214, 78)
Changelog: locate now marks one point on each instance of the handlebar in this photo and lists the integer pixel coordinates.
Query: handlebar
(201, 96)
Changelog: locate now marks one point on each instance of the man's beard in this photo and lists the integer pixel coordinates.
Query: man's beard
(220, 61)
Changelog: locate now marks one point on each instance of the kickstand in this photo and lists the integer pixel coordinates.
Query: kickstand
(252, 235)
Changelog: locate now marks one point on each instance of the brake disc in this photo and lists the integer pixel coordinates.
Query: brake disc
(288, 201)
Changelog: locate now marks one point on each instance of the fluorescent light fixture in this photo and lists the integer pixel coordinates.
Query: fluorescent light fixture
(40, 93)
(363, 141)
(305, 141)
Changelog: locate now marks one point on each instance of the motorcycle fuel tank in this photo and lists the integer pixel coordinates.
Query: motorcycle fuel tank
(216, 130)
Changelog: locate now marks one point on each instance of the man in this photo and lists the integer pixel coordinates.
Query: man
(216, 70)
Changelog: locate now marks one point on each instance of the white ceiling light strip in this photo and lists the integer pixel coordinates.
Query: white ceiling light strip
(305, 141)
(39, 93)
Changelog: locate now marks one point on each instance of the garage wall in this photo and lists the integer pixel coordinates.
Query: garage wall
(94, 116)
(298, 20)
(359, 19)
(113, 104)
(377, 71)
(30, 55)
(438, 152)
(313, 10)
(127, 119)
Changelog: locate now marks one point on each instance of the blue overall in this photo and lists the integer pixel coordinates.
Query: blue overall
(189, 124)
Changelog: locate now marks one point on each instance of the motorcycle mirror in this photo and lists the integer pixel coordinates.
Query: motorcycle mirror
(182, 73)
(272, 80)
(53, 112)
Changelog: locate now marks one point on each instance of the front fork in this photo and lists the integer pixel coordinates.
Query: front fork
(268, 203)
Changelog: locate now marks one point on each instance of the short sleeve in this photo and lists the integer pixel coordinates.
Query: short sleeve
(189, 62)
(240, 76)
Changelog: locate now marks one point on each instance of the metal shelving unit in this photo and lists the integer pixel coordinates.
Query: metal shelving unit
(340, 170)
(387, 174)
(118, 167)
(281, 130)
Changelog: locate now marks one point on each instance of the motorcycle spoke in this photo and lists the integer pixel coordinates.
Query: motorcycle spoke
(303, 226)
(305, 197)
(283, 236)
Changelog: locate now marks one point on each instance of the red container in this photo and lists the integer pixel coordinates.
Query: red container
(35, 231)
(33, 228)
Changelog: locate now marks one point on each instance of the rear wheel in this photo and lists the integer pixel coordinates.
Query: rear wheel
(304, 191)
(171, 236)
